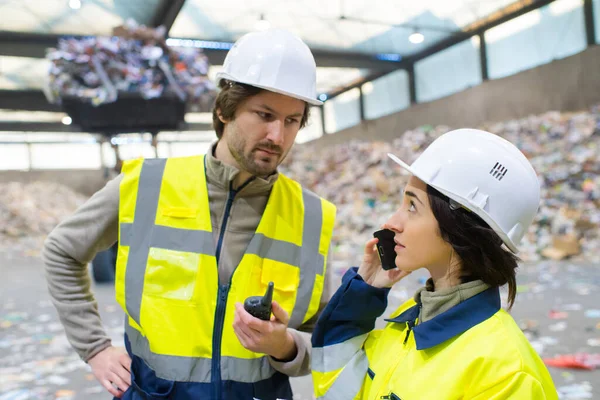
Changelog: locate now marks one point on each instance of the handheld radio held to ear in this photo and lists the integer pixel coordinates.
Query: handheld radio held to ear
(260, 307)
(385, 248)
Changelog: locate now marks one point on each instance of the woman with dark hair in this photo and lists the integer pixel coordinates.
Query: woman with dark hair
(471, 198)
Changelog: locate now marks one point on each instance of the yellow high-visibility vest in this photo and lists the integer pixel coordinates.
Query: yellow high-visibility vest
(179, 316)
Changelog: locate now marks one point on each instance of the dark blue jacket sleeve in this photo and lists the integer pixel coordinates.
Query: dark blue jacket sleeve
(352, 311)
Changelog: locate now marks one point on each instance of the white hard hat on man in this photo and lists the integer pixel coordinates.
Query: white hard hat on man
(274, 60)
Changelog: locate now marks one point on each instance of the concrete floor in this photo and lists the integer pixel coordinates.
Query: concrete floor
(36, 361)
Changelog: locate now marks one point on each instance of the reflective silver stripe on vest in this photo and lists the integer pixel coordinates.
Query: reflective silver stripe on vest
(165, 237)
(137, 237)
(196, 369)
(334, 357)
(246, 370)
(273, 249)
(174, 368)
(350, 380)
(311, 261)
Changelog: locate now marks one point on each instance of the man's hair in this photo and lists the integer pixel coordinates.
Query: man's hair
(231, 95)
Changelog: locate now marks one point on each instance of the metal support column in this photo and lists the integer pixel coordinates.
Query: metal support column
(103, 166)
(361, 103)
(154, 143)
(412, 84)
(590, 29)
(483, 57)
(29, 157)
(323, 119)
(166, 13)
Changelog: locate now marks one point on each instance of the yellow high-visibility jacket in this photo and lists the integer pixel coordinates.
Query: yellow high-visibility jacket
(179, 328)
(474, 350)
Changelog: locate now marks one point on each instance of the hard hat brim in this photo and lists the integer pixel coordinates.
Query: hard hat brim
(509, 243)
(401, 163)
(224, 75)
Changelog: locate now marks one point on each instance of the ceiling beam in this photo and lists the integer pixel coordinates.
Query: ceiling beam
(32, 100)
(325, 58)
(26, 100)
(499, 17)
(166, 13)
(19, 44)
(19, 126)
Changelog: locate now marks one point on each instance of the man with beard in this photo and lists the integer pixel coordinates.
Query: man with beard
(197, 236)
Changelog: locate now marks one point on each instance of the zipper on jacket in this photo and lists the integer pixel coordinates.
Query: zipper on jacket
(217, 336)
(410, 324)
(230, 198)
(222, 297)
(371, 373)
(390, 396)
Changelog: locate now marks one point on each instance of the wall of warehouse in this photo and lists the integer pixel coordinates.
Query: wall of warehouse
(570, 84)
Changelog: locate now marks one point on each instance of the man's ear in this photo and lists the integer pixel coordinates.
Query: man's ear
(220, 115)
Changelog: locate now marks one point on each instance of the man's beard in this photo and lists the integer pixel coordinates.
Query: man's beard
(247, 162)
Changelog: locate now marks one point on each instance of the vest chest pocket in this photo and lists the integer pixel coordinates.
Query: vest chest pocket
(286, 279)
(171, 274)
(171, 271)
(179, 212)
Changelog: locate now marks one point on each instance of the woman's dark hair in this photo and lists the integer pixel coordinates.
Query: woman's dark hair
(478, 246)
(231, 95)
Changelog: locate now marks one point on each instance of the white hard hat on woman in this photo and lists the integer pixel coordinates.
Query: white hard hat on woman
(486, 174)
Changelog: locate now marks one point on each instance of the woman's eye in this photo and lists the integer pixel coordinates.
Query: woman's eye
(263, 115)
(412, 207)
(291, 121)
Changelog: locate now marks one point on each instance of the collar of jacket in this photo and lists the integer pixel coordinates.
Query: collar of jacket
(453, 322)
(434, 302)
(221, 175)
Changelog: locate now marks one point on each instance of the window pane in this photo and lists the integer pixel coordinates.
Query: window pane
(189, 149)
(313, 129)
(552, 32)
(448, 71)
(343, 111)
(386, 95)
(163, 150)
(65, 156)
(129, 151)
(109, 158)
(14, 156)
